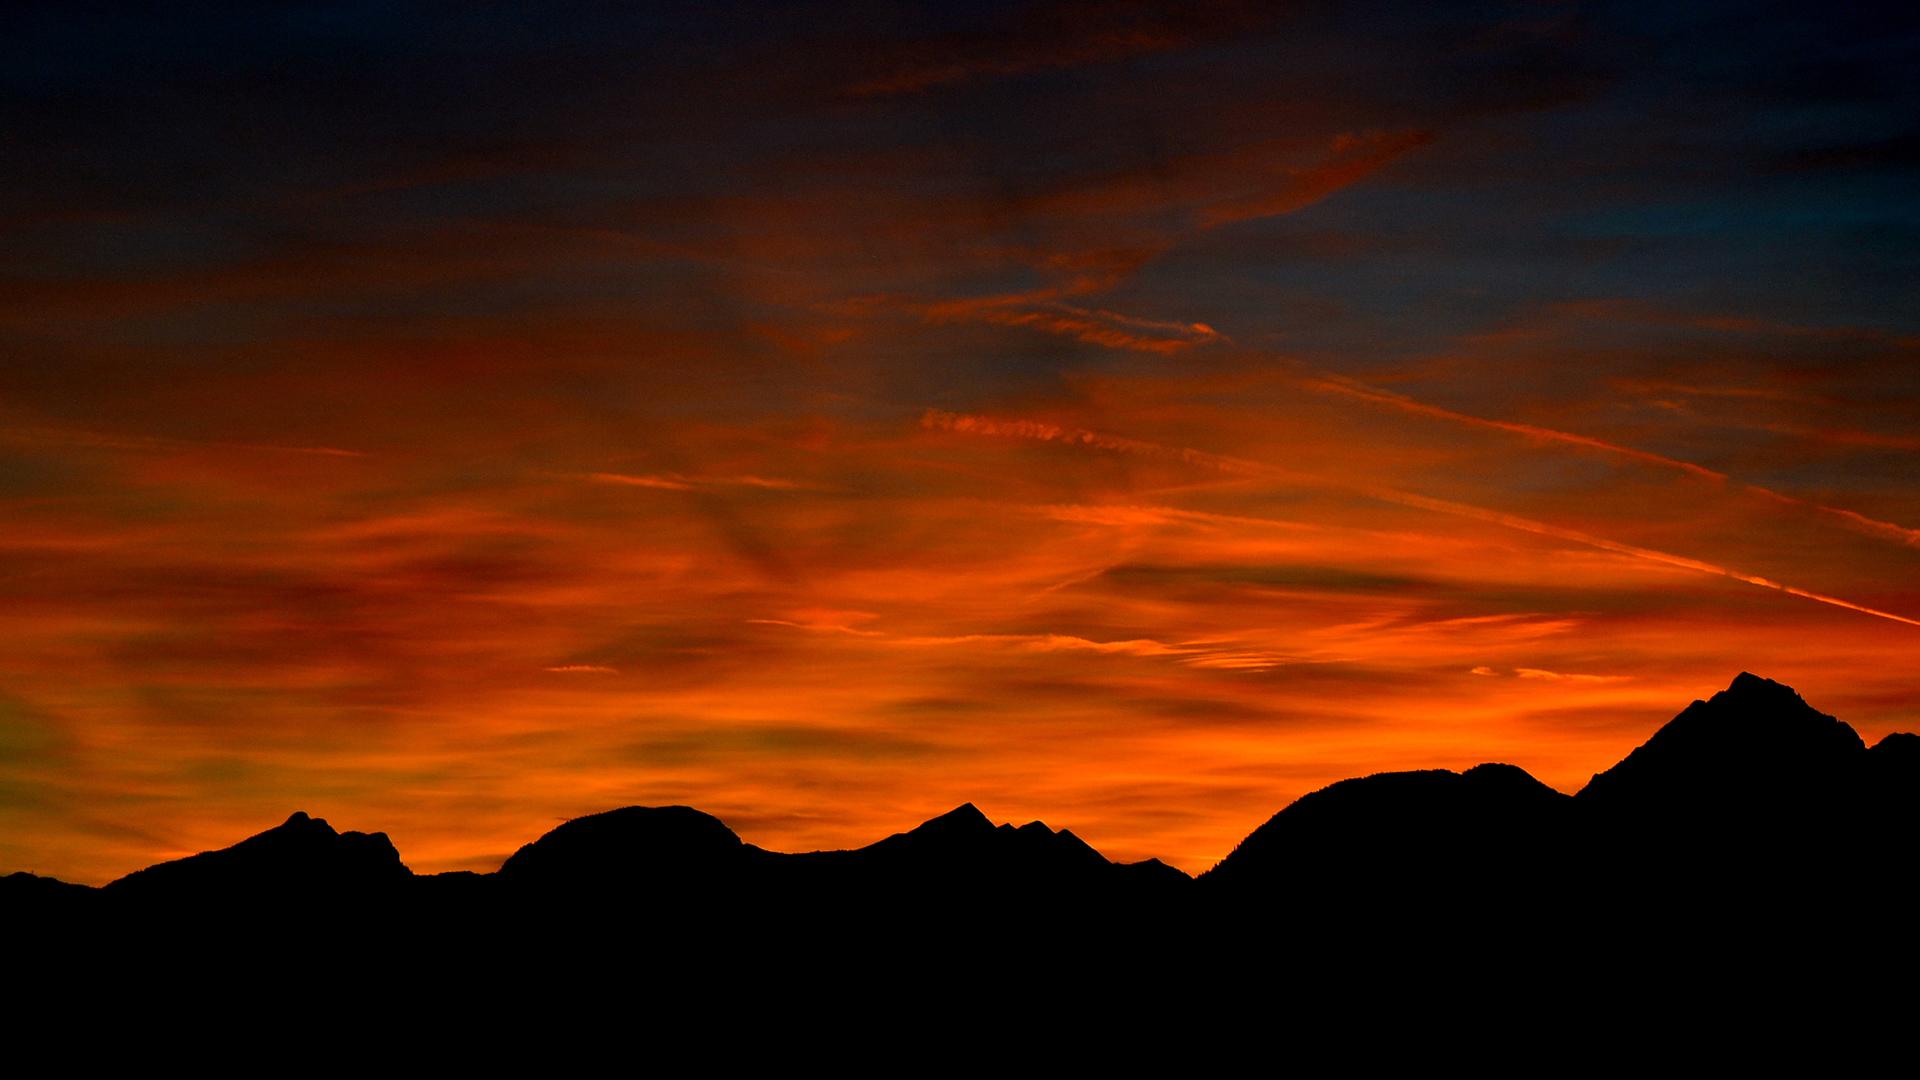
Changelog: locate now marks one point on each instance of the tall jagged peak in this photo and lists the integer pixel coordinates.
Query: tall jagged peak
(1756, 733)
(1749, 688)
(961, 820)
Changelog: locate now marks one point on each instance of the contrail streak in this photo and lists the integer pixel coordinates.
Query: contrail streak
(1856, 521)
(1851, 519)
(1511, 521)
(1337, 385)
(1030, 429)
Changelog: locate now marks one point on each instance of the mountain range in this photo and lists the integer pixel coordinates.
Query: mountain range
(1753, 848)
(1745, 876)
(1752, 787)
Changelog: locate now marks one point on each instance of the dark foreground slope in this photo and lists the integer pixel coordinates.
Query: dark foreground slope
(1752, 846)
(1752, 805)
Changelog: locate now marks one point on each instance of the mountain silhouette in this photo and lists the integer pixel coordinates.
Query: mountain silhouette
(963, 849)
(636, 849)
(302, 860)
(1751, 805)
(1751, 801)
(1753, 748)
(1751, 859)
(31, 896)
(1753, 795)
(679, 859)
(1369, 839)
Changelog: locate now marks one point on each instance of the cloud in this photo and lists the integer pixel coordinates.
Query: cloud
(664, 483)
(1856, 521)
(1135, 516)
(159, 444)
(1335, 384)
(678, 482)
(1099, 231)
(964, 423)
(1352, 388)
(1353, 157)
(1216, 654)
(1098, 327)
(1556, 676)
(1515, 521)
(308, 442)
(1013, 59)
(1027, 429)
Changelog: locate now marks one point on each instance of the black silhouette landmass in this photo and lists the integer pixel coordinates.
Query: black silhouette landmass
(303, 857)
(1752, 775)
(1735, 843)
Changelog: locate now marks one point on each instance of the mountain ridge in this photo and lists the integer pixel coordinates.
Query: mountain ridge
(1479, 903)
(1748, 766)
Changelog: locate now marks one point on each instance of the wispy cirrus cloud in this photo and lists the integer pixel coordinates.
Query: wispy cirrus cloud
(1095, 326)
(1220, 653)
(1158, 210)
(1351, 158)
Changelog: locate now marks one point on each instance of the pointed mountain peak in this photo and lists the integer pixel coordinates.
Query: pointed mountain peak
(1751, 688)
(302, 857)
(962, 819)
(301, 822)
(1077, 847)
(1754, 736)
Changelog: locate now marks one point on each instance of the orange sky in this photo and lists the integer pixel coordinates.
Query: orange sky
(844, 450)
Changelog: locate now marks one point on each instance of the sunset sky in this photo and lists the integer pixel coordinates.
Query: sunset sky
(452, 419)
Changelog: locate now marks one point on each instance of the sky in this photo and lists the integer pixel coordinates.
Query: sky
(453, 419)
